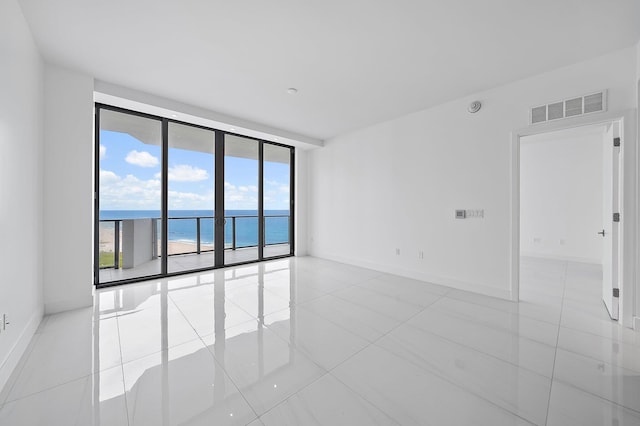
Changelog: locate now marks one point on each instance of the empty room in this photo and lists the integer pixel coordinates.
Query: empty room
(334, 213)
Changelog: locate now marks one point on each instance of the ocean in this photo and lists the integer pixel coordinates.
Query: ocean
(276, 228)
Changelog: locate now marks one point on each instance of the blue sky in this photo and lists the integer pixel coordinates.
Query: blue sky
(130, 178)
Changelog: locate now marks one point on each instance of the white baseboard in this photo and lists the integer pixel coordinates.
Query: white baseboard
(67, 305)
(421, 276)
(13, 358)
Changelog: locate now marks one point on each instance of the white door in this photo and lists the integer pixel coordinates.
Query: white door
(610, 199)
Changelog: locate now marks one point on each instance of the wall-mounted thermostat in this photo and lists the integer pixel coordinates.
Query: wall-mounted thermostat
(461, 214)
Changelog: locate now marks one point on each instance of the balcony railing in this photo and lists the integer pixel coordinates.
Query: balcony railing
(112, 259)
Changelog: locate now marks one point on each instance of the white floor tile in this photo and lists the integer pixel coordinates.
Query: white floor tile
(572, 407)
(97, 399)
(361, 321)
(183, 385)
(153, 329)
(407, 291)
(413, 396)
(383, 304)
(533, 329)
(524, 308)
(66, 351)
(499, 343)
(599, 378)
(266, 369)
(309, 341)
(326, 402)
(584, 321)
(515, 389)
(614, 352)
(255, 301)
(206, 308)
(324, 342)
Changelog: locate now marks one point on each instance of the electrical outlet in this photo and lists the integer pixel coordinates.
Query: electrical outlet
(397, 252)
(5, 321)
(420, 254)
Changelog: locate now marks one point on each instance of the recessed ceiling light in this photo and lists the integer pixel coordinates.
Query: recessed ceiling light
(232, 129)
(174, 115)
(292, 90)
(275, 139)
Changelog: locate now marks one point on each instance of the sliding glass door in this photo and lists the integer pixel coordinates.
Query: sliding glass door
(191, 198)
(204, 197)
(130, 208)
(241, 170)
(278, 224)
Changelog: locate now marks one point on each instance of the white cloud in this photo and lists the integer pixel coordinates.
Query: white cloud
(103, 151)
(284, 189)
(142, 159)
(132, 193)
(240, 197)
(185, 173)
(107, 176)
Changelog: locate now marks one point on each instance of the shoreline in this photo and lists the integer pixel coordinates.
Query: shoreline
(107, 241)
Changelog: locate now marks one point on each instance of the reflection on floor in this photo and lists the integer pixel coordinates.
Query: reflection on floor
(304, 341)
(188, 262)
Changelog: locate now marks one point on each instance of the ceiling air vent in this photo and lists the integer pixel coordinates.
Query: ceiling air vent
(555, 111)
(538, 114)
(573, 107)
(594, 102)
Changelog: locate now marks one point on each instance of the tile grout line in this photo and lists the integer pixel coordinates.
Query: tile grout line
(373, 343)
(328, 371)
(124, 383)
(21, 364)
(555, 355)
(444, 377)
(491, 355)
(215, 360)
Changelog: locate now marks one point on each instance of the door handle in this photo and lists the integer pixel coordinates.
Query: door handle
(601, 232)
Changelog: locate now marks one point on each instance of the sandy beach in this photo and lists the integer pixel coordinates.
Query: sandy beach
(106, 244)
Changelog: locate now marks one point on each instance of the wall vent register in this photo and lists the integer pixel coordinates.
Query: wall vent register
(587, 104)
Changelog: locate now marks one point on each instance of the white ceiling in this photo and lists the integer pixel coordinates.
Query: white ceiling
(354, 62)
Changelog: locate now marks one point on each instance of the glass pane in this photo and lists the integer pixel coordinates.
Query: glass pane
(130, 204)
(277, 201)
(191, 198)
(240, 199)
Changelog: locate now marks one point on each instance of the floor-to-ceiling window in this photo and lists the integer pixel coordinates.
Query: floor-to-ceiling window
(191, 199)
(129, 153)
(276, 196)
(205, 197)
(241, 199)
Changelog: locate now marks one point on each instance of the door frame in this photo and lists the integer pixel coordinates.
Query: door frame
(629, 226)
(219, 156)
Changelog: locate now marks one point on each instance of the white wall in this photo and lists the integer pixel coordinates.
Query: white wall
(300, 208)
(21, 99)
(68, 190)
(561, 197)
(637, 289)
(396, 184)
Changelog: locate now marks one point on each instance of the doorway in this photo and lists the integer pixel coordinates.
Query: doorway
(566, 192)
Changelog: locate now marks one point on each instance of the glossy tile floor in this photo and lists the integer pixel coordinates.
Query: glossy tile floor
(303, 341)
